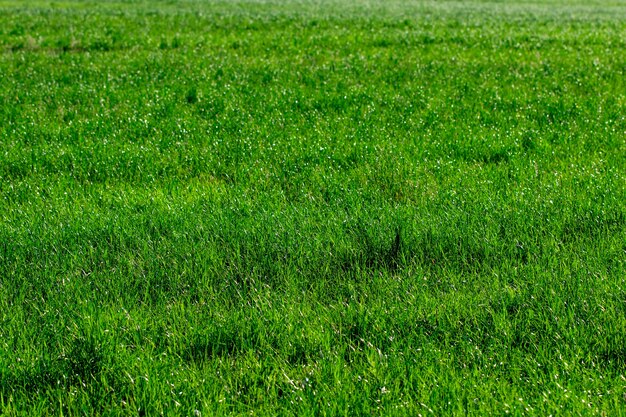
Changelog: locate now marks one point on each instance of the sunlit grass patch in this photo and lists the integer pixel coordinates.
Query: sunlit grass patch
(312, 208)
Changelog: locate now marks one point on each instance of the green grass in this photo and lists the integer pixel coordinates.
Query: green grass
(312, 208)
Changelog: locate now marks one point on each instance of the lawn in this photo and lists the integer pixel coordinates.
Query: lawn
(330, 207)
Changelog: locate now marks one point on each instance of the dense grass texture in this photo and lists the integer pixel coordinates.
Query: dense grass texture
(323, 207)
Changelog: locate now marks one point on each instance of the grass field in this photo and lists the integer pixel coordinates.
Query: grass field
(312, 208)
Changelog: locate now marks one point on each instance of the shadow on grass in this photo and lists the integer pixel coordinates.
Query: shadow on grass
(86, 366)
(82, 365)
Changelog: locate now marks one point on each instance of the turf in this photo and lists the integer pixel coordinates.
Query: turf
(312, 208)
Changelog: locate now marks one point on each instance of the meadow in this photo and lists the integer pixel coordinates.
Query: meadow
(330, 207)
